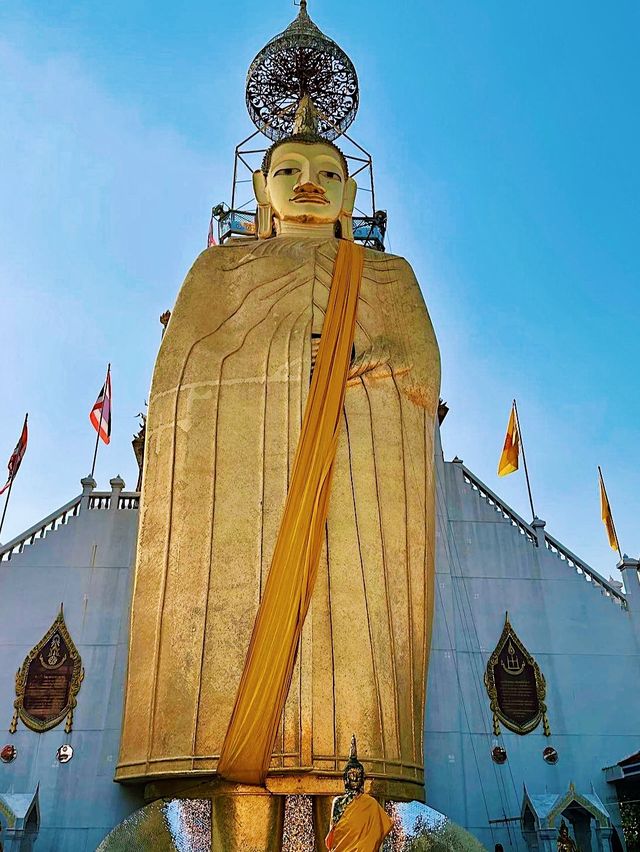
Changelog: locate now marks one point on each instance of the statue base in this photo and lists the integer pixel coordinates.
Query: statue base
(242, 820)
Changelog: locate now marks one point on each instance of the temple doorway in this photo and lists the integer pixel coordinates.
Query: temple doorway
(566, 822)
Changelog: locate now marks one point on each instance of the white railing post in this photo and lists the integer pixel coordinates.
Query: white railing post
(538, 526)
(117, 484)
(628, 567)
(88, 484)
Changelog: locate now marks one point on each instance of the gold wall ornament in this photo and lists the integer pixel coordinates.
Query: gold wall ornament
(516, 686)
(48, 681)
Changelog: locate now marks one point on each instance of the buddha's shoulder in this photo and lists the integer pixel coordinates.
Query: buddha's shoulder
(236, 254)
(293, 251)
(224, 256)
(385, 260)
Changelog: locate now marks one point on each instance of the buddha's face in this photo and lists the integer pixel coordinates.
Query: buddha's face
(354, 779)
(306, 183)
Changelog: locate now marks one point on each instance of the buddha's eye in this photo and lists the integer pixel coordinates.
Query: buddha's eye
(286, 171)
(331, 175)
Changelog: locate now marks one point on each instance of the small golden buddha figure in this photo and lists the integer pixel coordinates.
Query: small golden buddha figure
(358, 823)
(565, 842)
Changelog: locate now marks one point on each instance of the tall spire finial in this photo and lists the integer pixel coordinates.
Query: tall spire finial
(306, 120)
(353, 751)
(354, 774)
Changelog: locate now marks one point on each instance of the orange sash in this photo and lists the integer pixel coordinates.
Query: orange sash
(246, 751)
(361, 828)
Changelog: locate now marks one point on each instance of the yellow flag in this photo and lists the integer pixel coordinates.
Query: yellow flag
(511, 451)
(607, 517)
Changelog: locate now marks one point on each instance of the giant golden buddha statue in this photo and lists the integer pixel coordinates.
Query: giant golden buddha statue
(284, 574)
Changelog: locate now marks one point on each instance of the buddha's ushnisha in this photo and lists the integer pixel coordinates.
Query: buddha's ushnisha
(228, 402)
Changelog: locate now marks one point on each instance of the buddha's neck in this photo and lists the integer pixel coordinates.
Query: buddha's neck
(295, 229)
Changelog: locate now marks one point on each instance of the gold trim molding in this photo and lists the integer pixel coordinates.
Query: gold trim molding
(61, 650)
(518, 660)
(573, 796)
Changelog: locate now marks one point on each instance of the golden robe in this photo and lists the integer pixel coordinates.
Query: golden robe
(227, 398)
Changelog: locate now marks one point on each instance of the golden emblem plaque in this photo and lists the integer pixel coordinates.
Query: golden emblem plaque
(515, 685)
(48, 681)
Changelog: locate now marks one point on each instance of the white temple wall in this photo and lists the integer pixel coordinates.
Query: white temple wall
(585, 644)
(85, 564)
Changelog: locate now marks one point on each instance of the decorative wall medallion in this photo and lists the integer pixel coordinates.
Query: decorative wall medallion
(550, 755)
(515, 685)
(48, 681)
(64, 753)
(499, 754)
(8, 753)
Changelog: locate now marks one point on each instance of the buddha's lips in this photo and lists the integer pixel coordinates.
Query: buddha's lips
(309, 199)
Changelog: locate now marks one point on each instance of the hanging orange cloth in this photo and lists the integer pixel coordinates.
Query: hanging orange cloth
(246, 751)
(361, 828)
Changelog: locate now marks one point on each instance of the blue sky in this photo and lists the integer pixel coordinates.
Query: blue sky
(504, 138)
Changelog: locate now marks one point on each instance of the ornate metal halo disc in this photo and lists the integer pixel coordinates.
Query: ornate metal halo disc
(301, 60)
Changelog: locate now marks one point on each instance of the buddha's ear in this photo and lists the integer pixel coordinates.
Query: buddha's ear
(348, 202)
(350, 189)
(260, 187)
(265, 214)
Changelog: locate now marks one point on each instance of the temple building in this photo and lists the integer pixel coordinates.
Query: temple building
(510, 788)
(488, 672)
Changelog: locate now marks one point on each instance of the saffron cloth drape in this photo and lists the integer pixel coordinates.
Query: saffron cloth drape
(268, 668)
(361, 828)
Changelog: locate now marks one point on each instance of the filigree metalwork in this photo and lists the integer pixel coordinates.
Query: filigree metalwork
(301, 61)
(511, 664)
(53, 670)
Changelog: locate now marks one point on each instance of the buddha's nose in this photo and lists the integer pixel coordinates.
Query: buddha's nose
(308, 188)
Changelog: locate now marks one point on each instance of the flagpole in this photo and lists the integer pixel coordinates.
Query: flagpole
(524, 459)
(604, 488)
(6, 502)
(95, 452)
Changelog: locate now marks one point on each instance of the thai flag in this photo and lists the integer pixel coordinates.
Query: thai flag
(17, 455)
(100, 415)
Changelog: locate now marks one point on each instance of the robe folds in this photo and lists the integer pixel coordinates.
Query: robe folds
(225, 410)
(361, 828)
(268, 669)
